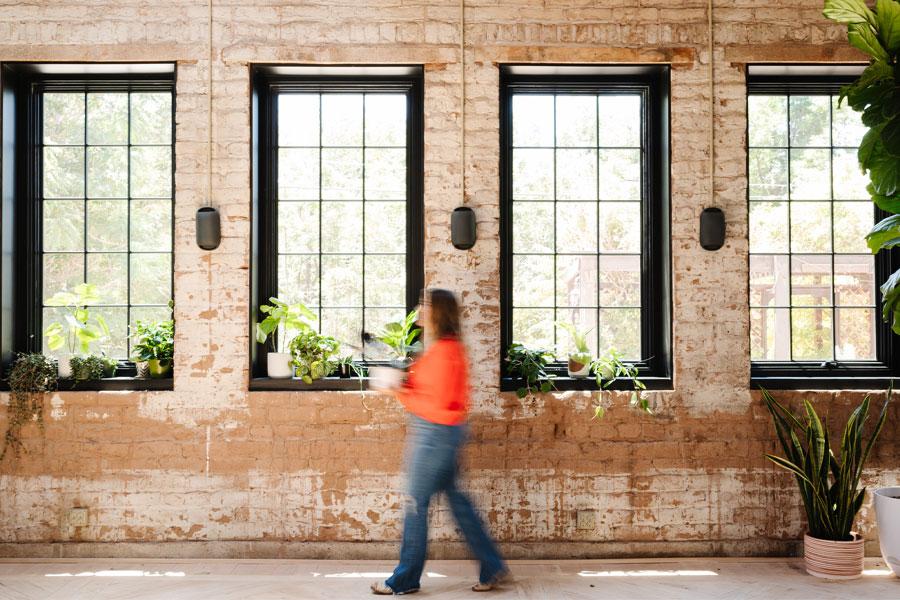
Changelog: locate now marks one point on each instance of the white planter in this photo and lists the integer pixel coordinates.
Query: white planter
(278, 365)
(887, 516)
(579, 373)
(63, 367)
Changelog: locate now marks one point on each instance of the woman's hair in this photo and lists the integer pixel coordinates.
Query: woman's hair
(444, 312)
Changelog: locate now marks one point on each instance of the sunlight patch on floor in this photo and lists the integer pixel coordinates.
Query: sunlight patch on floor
(119, 573)
(649, 573)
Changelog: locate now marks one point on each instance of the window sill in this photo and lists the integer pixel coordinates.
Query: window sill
(328, 384)
(565, 384)
(110, 384)
(813, 383)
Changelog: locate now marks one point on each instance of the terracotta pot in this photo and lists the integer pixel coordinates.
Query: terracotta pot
(834, 560)
(887, 516)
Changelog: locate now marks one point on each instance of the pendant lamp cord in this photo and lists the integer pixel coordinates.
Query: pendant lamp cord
(462, 99)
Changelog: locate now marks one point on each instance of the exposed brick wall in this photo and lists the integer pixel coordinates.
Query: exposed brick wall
(212, 462)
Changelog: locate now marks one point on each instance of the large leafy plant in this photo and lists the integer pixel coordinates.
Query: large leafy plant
(876, 95)
(284, 316)
(400, 337)
(81, 327)
(312, 355)
(155, 341)
(530, 365)
(828, 484)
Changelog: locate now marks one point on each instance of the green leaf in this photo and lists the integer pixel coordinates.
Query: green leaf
(862, 37)
(599, 412)
(889, 204)
(890, 293)
(848, 11)
(885, 234)
(890, 136)
(888, 23)
(884, 170)
(521, 393)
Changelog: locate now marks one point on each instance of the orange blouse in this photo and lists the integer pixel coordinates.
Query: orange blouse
(437, 388)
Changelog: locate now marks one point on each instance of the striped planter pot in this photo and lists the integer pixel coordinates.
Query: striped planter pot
(834, 560)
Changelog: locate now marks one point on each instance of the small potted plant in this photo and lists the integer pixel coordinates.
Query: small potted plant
(829, 483)
(280, 318)
(611, 366)
(530, 365)
(81, 327)
(345, 367)
(311, 355)
(89, 368)
(579, 363)
(31, 376)
(155, 346)
(400, 338)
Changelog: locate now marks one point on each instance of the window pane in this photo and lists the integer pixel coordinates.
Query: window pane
(854, 280)
(852, 220)
(810, 227)
(386, 227)
(619, 120)
(63, 172)
(576, 174)
(62, 272)
(620, 175)
(109, 272)
(151, 278)
(810, 120)
(530, 275)
(767, 120)
(855, 334)
(341, 174)
(576, 227)
(533, 327)
(385, 173)
(344, 324)
(298, 174)
(63, 226)
(768, 231)
(107, 169)
(151, 225)
(808, 174)
(620, 329)
(847, 128)
(769, 280)
(620, 227)
(385, 280)
(151, 118)
(810, 280)
(584, 320)
(107, 226)
(532, 174)
(342, 119)
(386, 120)
(298, 227)
(768, 176)
(298, 120)
(770, 334)
(342, 227)
(576, 280)
(849, 181)
(342, 280)
(116, 345)
(811, 330)
(63, 118)
(533, 227)
(298, 279)
(532, 120)
(107, 118)
(576, 121)
(151, 172)
(620, 281)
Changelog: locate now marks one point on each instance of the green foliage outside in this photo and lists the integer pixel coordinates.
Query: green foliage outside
(876, 95)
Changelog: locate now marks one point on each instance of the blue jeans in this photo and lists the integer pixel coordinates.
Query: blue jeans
(432, 452)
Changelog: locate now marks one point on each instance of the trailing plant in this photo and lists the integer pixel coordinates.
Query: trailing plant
(29, 378)
(90, 368)
(876, 95)
(155, 341)
(284, 316)
(582, 354)
(828, 485)
(610, 366)
(81, 327)
(311, 355)
(530, 364)
(400, 337)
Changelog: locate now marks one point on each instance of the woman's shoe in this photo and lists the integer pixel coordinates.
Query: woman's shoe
(379, 588)
(501, 577)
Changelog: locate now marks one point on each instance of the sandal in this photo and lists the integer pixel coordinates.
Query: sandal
(501, 577)
(380, 588)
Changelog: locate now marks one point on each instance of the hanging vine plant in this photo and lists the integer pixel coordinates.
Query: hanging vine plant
(876, 96)
(31, 376)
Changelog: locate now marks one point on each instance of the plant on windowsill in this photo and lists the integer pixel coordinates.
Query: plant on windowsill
(311, 355)
(92, 367)
(579, 363)
(610, 366)
(280, 318)
(31, 376)
(530, 365)
(829, 486)
(400, 338)
(155, 346)
(81, 327)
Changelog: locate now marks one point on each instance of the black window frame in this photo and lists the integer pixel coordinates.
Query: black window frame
(832, 374)
(21, 275)
(652, 82)
(267, 81)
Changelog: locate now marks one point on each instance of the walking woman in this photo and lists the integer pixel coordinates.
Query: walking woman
(436, 396)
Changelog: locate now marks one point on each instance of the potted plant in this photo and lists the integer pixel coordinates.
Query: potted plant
(530, 365)
(90, 368)
(155, 346)
(610, 366)
(828, 485)
(400, 338)
(31, 376)
(579, 363)
(81, 328)
(345, 367)
(284, 317)
(311, 355)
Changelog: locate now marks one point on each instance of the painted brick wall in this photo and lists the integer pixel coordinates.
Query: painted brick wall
(309, 473)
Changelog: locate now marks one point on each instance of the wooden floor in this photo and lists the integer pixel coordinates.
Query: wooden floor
(659, 579)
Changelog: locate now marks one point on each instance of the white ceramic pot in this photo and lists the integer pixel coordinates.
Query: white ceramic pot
(577, 369)
(834, 560)
(63, 367)
(278, 365)
(887, 516)
(385, 378)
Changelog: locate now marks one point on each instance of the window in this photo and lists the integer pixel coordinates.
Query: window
(339, 205)
(93, 196)
(585, 210)
(813, 282)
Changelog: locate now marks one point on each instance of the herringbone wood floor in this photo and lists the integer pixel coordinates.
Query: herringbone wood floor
(657, 579)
